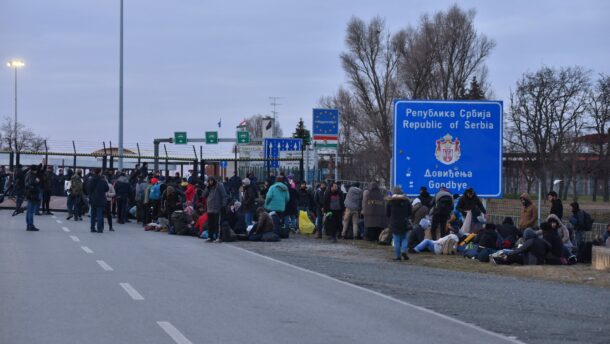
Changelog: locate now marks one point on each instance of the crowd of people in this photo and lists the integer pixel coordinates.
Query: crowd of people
(268, 210)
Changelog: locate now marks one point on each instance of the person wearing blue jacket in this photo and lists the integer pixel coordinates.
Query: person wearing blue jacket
(277, 197)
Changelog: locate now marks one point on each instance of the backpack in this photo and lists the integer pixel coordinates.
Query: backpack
(444, 205)
(155, 192)
(385, 238)
(588, 221)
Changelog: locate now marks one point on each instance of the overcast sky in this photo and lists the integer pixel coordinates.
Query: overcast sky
(190, 62)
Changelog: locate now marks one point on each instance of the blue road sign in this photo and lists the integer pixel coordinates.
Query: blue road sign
(273, 147)
(224, 164)
(325, 122)
(455, 144)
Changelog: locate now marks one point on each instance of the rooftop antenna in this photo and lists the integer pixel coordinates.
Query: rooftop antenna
(274, 112)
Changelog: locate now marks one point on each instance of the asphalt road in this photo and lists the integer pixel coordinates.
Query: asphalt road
(67, 285)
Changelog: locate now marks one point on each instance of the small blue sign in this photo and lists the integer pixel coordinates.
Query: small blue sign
(452, 144)
(273, 147)
(224, 164)
(325, 122)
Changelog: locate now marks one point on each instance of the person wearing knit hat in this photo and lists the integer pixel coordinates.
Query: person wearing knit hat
(246, 181)
(154, 181)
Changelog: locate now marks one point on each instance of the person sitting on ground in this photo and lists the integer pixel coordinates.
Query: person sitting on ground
(417, 234)
(532, 252)
(488, 242)
(444, 245)
(563, 233)
(507, 233)
(263, 225)
(419, 211)
(236, 218)
(529, 213)
(555, 252)
(399, 212)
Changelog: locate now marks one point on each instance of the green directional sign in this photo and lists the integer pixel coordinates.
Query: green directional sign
(211, 137)
(243, 137)
(180, 137)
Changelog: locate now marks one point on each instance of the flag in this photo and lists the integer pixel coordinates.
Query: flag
(220, 122)
(242, 124)
(269, 125)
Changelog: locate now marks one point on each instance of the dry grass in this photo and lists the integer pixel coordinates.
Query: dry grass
(576, 274)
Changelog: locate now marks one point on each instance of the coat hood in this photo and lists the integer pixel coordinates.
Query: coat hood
(529, 233)
(281, 186)
(397, 197)
(526, 196)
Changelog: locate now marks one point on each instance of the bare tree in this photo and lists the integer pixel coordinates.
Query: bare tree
(27, 140)
(599, 111)
(442, 53)
(254, 124)
(371, 63)
(546, 116)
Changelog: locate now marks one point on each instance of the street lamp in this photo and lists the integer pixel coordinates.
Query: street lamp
(15, 64)
(121, 91)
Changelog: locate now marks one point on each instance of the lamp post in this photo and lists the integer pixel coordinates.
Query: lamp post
(121, 92)
(15, 64)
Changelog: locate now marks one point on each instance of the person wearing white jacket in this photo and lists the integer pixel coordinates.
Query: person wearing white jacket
(435, 246)
(108, 210)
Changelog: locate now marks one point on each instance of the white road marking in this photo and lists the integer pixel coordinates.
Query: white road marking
(65, 229)
(86, 249)
(510, 339)
(173, 332)
(104, 265)
(54, 216)
(58, 221)
(132, 292)
(74, 238)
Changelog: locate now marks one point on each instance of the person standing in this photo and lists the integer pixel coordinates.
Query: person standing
(529, 213)
(19, 188)
(47, 189)
(399, 214)
(248, 204)
(374, 211)
(216, 202)
(97, 188)
(75, 196)
(140, 196)
(556, 205)
(333, 207)
(110, 194)
(441, 211)
(353, 203)
(319, 202)
(32, 185)
(121, 188)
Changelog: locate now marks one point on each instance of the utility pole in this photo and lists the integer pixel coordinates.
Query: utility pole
(274, 112)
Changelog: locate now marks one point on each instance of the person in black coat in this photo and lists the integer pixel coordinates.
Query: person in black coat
(488, 242)
(470, 201)
(550, 235)
(556, 205)
(248, 204)
(32, 187)
(97, 188)
(532, 252)
(398, 211)
(333, 207)
(507, 233)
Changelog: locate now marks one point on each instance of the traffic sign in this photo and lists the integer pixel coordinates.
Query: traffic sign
(224, 164)
(211, 137)
(243, 137)
(452, 144)
(325, 124)
(180, 137)
(273, 147)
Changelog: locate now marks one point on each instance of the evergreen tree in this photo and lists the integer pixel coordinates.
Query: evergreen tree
(301, 133)
(474, 92)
